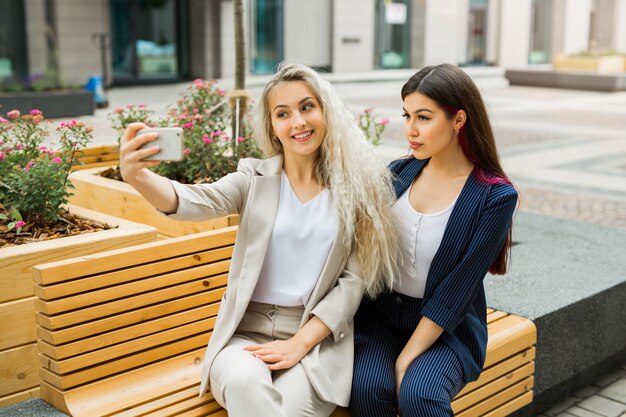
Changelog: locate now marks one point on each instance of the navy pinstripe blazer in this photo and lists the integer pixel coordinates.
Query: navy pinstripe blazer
(454, 297)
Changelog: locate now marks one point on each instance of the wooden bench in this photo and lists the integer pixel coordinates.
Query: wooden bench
(122, 333)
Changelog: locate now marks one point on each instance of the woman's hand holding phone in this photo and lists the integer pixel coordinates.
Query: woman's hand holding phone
(134, 149)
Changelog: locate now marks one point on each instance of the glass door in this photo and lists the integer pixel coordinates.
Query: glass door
(392, 34)
(148, 43)
(267, 35)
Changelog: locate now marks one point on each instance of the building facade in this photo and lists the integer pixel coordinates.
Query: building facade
(154, 41)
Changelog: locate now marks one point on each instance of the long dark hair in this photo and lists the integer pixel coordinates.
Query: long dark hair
(454, 90)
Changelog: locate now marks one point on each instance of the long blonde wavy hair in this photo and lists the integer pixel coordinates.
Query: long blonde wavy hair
(359, 181)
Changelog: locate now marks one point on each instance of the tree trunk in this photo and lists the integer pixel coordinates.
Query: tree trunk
(239, 97)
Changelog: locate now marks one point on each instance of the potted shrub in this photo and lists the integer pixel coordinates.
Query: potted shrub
(210, 153)
(37, 226)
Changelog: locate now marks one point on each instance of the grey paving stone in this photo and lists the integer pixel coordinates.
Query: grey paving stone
(581, 412)
(562, 406)
(603, 406)
(616, 391)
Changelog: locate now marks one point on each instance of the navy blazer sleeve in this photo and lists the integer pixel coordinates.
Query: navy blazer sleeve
(456, 291)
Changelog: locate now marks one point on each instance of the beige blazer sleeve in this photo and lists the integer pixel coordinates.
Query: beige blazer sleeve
(220, 198)
(337, 309)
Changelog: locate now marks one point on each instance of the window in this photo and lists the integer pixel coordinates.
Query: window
(13, 63)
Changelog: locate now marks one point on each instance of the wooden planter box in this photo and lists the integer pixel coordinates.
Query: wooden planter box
(120, 199)
(19, 364)
(600, 64)
(52, 104)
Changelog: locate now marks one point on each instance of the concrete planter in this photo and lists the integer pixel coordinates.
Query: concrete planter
(120, 199)
(599, 64)
(52, 104)
(19, 364)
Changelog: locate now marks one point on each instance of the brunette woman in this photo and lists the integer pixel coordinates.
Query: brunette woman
(417, 346)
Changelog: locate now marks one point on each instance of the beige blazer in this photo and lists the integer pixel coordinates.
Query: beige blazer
(253, 192)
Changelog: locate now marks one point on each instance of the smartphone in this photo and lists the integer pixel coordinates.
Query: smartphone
(169, 141)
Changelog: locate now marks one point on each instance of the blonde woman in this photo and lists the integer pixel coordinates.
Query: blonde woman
(283, 340)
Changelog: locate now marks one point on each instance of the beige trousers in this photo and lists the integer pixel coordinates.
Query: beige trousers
(242, 383)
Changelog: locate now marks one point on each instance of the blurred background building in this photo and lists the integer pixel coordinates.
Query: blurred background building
(159, 41)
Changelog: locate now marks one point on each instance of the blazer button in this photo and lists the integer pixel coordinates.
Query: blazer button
(341, 335)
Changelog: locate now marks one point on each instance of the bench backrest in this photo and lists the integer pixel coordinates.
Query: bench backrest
(108, 313)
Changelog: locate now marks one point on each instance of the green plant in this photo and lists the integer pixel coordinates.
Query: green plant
(33, 178)
(15, 220)
(372, 128)
(121, 117)
(203, 113)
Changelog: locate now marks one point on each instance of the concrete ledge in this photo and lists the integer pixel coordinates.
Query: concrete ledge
(577, 80)
(568, 277)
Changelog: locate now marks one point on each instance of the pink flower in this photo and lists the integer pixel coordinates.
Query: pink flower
(220, 92)
(240, 139)
(19, 224)
(186, 151)
(2, 156)
(118, 110)
(369, 110)
(195, 110)
(384, 121)
(188, 125)
(20, 146)
(225, 137)
(206, 139)
(130, 106)
(26, 168)
(141, 106)
(56, 160)
(30, 163)
(35, 112)
(13, 114)
(3, 120)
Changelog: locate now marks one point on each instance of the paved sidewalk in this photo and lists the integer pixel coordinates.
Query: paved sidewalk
(604, 398)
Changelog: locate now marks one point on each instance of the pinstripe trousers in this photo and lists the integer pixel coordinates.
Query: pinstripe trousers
(382, 329)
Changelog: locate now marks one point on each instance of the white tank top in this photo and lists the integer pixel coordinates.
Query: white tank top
(420, 237)
(296, 254)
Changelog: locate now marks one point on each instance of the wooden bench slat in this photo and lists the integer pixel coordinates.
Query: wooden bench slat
(77, 286)
(126, 290)
(160, 403)
(508, 336)
(125, 334)
(512, 405)
(141, 300)
(131, 347)
(501, 368)
(136, 386)
(495, 316)
(493, 387)
(193, 407)
(498, 399)
(115, 322)
(119, 259)
(119, 365)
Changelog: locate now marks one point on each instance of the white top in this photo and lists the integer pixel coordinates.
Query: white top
(420, 237)
(296, 254)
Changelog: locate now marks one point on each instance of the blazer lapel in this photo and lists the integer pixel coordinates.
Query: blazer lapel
(262, 207)
(459, 227)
